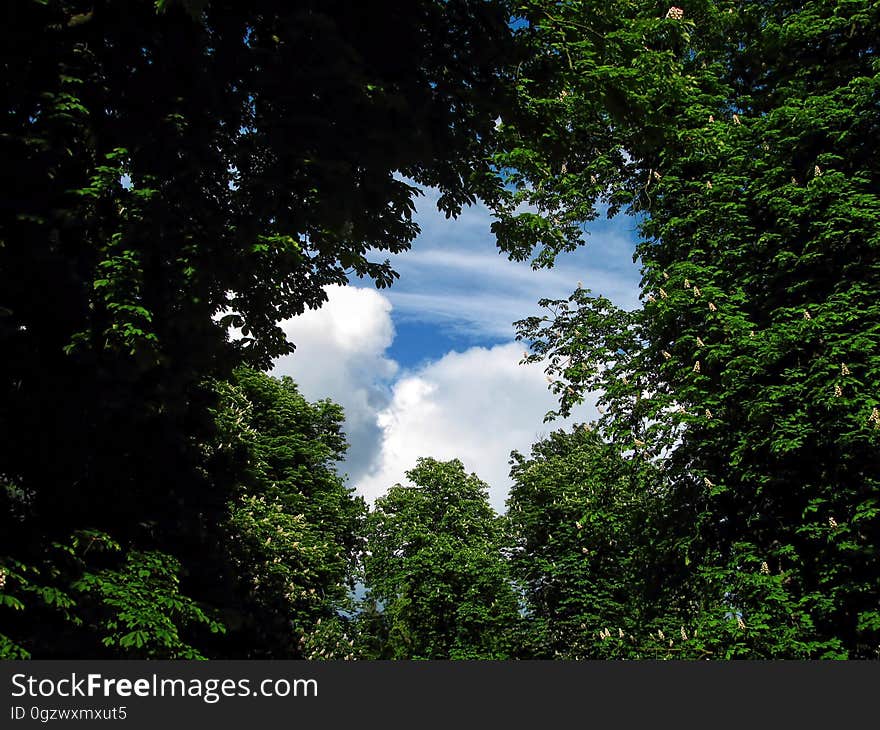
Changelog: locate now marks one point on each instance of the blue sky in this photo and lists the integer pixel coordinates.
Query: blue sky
(456, 290)
(429, 367)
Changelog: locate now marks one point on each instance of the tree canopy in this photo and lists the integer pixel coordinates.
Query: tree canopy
(183, 169)
(176, 169)
(592, 549)
(435, 563)
(748, 136)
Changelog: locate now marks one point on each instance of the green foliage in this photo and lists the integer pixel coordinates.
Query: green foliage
(122, 604)
(292, 532)
(142, 607)
(595, 551)
(336, 638)
(747, 378)
(176, 168)
(180, 167)
(435, 563)
(278, 558)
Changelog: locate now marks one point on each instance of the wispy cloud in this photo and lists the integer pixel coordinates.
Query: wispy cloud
(456, 279)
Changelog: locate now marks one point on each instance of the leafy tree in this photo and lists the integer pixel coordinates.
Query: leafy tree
(284, 557)
(360, 632)
(744, 135)
(92, 598)
(435, 563)
(593, 550)
(372, 631)
(176, 168)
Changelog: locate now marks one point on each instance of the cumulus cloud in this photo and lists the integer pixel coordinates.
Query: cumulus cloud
(340, 354)
(476, 406)
(473, 403)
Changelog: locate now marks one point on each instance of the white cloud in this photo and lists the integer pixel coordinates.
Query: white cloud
(340, 354)
(476, 406)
